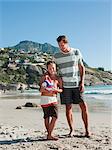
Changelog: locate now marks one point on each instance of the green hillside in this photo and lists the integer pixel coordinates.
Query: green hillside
(25, 63)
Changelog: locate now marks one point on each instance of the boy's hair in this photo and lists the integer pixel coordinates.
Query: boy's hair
(50, 62)
(62, 38)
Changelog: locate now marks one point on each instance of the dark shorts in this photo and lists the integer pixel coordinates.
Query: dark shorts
(71, 96)
(50, 111)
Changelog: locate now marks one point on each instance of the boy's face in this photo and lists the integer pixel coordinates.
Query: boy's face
(63, 46)
(52, 68)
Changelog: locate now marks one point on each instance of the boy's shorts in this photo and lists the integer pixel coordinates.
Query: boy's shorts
(50, 111)
(71, 96)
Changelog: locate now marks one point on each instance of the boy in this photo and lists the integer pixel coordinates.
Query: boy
(50, 85)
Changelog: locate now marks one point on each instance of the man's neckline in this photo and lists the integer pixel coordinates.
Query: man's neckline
(66, 52)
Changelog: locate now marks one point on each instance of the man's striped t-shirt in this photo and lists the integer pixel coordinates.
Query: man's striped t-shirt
(68, 67)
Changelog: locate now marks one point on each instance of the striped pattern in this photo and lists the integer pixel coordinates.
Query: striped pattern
(68, 65)
(48, 100)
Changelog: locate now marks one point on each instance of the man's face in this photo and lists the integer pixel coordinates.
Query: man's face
(63, 46)
(52, 68)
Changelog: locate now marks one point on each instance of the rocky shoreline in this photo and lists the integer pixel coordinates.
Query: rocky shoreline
(26, 68)
(97, 77)
(92, 77)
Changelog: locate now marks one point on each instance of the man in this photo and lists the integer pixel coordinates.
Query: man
(72, 70)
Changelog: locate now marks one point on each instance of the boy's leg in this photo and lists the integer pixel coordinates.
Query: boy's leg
(46, 117)
(50, 129)
(69, 116)
(46, 122)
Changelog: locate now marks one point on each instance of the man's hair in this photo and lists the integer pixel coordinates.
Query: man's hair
(62, 38)
(50, 62)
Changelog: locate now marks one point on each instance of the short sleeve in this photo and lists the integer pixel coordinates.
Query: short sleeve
(80, 59)
(54, 58)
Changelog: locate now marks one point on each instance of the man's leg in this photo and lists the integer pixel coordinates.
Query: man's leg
(69, 116)
(84, 111)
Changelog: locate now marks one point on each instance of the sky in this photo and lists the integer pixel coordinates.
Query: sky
(86, 23)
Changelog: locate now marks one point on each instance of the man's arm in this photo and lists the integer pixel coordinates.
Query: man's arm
(82, 76)
(60, 84)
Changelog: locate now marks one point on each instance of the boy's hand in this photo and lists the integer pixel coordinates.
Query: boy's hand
(57, 90)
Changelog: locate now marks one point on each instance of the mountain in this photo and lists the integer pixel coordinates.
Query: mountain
(14, 70)
(30, 46)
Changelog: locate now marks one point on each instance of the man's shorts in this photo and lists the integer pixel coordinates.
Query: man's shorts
(71, 96)
(50, 111)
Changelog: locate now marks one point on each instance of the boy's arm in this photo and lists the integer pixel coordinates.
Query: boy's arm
(60, 86)
(42, 89)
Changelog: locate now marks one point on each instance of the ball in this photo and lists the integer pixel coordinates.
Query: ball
(48, 85)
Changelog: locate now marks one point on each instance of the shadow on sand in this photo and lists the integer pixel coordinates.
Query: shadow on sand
(28, 139)
(77, 136)
(8, 142)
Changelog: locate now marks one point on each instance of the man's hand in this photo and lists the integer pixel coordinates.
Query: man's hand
(81, 87)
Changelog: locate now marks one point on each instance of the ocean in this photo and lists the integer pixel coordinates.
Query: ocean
(98, 98)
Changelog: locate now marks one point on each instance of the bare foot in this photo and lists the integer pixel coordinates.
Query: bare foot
(87, 134)
(49, 137)
(71, 134)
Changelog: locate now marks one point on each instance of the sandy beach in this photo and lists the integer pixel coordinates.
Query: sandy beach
(23, 129)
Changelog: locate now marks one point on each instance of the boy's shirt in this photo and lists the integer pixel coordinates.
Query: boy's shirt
(46, 98)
